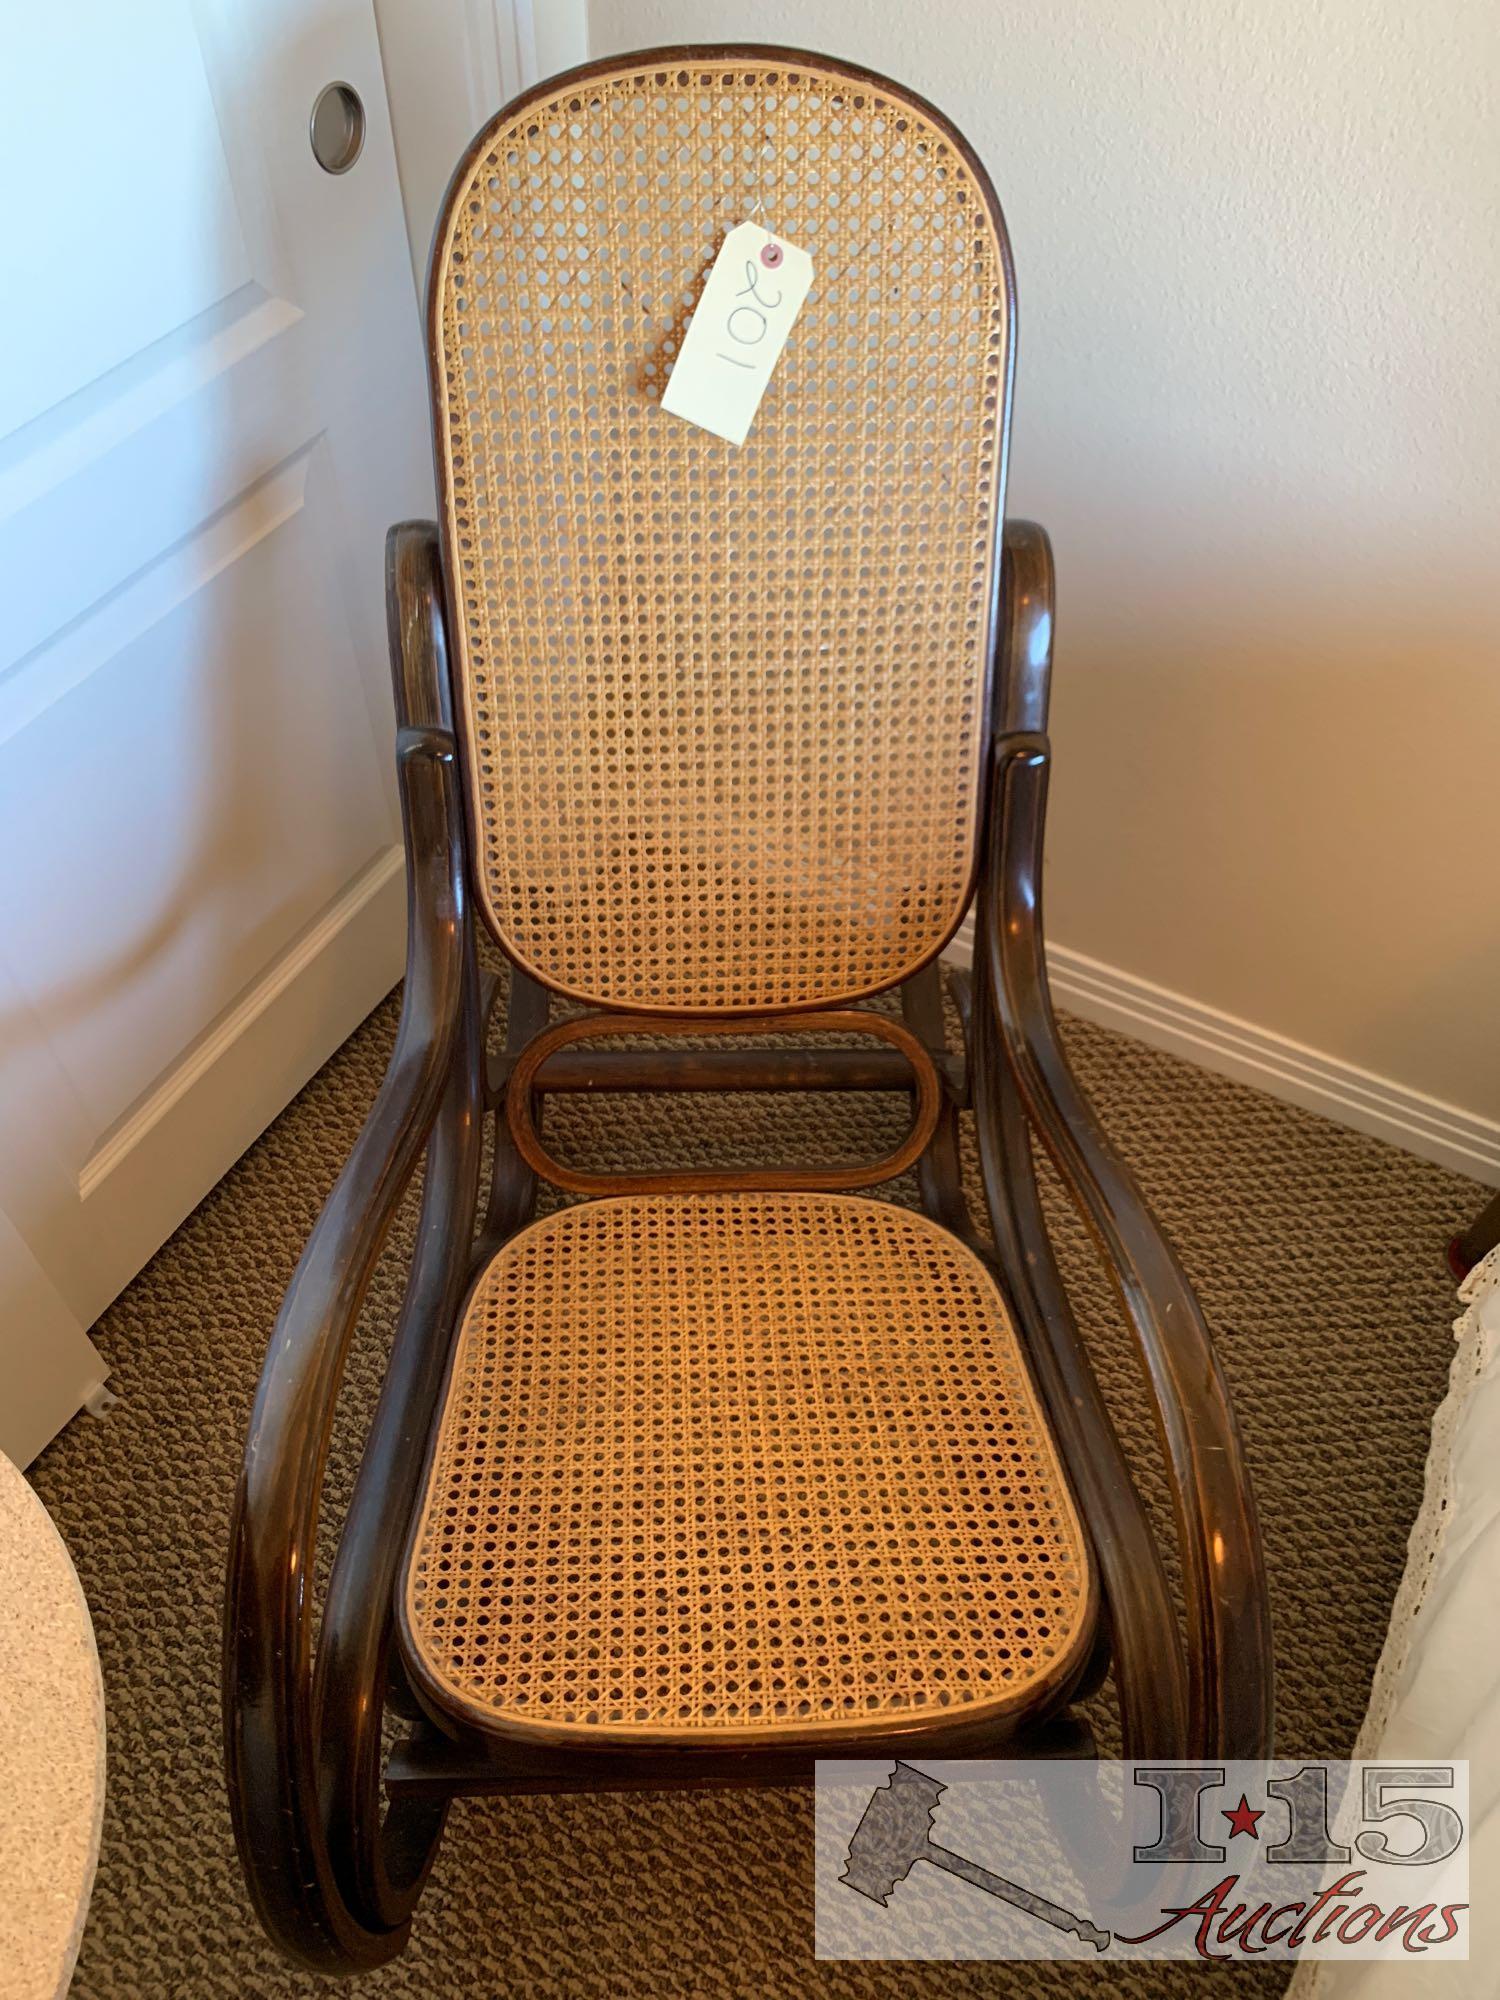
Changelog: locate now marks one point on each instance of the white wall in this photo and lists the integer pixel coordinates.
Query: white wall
(1257, 407)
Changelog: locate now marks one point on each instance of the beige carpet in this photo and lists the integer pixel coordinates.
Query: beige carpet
(1319, 1258)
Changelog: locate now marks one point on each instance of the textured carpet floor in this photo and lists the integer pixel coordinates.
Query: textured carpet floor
(1318, 1256)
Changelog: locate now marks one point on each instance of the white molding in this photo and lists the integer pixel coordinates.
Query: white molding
(500, 37)
(449, 66)
(382, 883)
(1351, 1096)
(527, 70)
(47, 1361)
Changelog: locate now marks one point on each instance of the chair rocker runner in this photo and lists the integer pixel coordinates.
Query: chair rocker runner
(708, 1471)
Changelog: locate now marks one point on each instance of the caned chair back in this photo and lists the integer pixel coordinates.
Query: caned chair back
(724, 707)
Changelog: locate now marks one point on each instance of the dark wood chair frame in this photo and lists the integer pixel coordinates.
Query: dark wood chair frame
(336, 1839)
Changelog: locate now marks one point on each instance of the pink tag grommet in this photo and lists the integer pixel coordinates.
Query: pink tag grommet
(771, 255)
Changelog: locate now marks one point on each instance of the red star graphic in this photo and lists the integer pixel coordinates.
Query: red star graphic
(1242, 1819)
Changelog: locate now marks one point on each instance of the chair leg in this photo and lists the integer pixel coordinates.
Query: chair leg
(940, 1170)
(381, 1858)
(1143, 1639)
(512, 1182)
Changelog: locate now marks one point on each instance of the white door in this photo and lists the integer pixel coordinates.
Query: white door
(212, 404)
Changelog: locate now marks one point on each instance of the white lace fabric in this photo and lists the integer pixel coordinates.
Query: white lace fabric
(1436, 1690)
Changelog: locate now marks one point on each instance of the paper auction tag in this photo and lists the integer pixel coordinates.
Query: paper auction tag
(738, 329)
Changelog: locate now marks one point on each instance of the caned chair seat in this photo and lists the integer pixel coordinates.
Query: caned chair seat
(735, 1467)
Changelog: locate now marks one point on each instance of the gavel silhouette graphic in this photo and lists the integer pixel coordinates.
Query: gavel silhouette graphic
(896, 1833)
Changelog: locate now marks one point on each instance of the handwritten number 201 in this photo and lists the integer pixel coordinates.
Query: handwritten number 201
(752, 314)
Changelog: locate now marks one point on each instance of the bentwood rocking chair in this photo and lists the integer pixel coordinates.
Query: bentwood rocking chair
(708, 1471)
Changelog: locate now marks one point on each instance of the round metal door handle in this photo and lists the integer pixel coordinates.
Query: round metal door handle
(337, 127)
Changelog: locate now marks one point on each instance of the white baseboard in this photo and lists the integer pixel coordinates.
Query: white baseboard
(1274, 1063)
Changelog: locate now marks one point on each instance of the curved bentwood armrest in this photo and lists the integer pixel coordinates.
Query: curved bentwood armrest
(1229, 1663)
(305, 1884)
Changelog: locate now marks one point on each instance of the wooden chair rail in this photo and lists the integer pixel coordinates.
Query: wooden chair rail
(1229, 1662)
(332, 1883)
(431, 1764)
(921, 1076)
(1145, 1643)
(576, 1072)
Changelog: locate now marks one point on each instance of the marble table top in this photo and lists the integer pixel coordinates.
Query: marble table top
(51, 1749)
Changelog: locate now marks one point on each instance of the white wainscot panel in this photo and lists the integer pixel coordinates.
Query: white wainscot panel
(196, 799)
(120, 220)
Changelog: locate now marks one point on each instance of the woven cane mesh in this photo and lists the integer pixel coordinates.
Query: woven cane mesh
(735, 1465)
(724, 706)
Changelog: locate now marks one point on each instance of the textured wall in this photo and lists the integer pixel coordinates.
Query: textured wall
(1257, 407)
